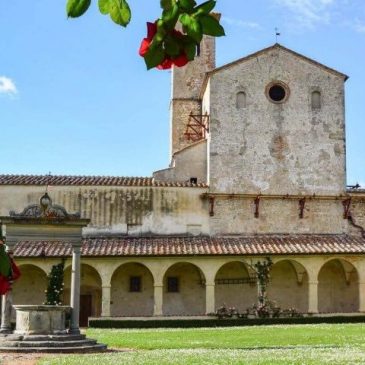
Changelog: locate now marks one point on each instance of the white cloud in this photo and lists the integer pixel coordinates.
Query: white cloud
(241, 23)
(7, 86)
(358, 26)
(309, 13)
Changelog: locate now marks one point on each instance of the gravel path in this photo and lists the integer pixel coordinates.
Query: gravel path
(20, 359)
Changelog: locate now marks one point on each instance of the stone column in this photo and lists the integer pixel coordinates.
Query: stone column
(6, 306)
(158, 296)
(75, 288)
(313, 296)
(362, 296)
(209, 297)
(7, 300)
(105, 300)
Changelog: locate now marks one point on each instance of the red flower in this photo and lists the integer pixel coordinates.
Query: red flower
(4, 285)
(179, 61)
(145, 45)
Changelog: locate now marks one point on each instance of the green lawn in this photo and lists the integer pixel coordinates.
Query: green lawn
(294, 344)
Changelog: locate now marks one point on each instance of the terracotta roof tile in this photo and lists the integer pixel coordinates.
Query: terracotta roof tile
(90, 180)
(199, 246)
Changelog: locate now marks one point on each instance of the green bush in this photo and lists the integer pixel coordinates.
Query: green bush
(195, 323)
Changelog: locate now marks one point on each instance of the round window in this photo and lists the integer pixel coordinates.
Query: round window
(277, 92)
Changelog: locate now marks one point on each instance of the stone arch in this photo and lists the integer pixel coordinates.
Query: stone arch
(338, 290)
(288, 285)
(31, 286)
(241, 100)
(233, 287)
(130, 303)
(90, 292)
(189, 298)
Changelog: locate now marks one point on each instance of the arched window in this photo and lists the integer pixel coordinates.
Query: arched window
(316, 100)
(241, 100)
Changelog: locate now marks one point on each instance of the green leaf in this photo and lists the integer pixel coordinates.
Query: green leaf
(171, 16)
(172, 47)
(192, 27)
(167, 4)
(190, 50)
(4, 262)
(120, 12)
(75, 8)
(187, 5)
(154, 57)
(104, 6)
(205, 8)
(211, 26)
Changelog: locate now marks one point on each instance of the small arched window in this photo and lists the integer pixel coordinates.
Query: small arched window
(241, 100)
(316, 100)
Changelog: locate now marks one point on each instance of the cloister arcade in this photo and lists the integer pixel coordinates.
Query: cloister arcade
(181, 286)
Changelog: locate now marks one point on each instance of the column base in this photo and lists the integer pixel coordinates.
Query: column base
(6, 331)
(74, 331)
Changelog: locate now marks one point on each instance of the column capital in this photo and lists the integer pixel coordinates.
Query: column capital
(210, 283)
(313, 282)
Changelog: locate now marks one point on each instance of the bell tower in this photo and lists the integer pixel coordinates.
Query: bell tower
(185, 93)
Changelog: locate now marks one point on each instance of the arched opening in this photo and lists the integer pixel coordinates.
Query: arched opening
(241, 100)
(233, 287)
(184, 290)
(316, 100)
(338, 288)
(288, 285)
(132, 291)
(90, 292)
(30, 287)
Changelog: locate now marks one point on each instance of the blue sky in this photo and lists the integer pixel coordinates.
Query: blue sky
(75, 98)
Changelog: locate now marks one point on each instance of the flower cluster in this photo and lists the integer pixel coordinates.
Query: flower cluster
(168, 61)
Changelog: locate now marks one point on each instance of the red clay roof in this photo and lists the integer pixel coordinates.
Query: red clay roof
(200, 246)
(90, 180)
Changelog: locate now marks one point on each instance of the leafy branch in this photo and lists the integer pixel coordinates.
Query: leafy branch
(164, 45)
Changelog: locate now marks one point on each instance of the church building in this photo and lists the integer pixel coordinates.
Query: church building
(258, 169)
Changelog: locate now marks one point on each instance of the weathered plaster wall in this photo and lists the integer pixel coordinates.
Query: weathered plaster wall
(190, 300)
(236, 216)
(187, 163)
(126, 303)
(285, 289)
(30, 287)
(337, 295)
(239, 296)
(119, 210)
(283, 148)
(90, 285)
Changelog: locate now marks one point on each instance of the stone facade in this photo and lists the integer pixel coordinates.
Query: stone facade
(271, 172)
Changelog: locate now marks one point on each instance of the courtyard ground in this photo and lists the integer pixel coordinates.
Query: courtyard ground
(294, 344)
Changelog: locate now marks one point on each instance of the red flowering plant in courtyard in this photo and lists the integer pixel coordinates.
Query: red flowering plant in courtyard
(165, 46)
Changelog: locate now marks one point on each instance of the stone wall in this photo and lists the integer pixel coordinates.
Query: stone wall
(236, 216)
(187, 163)
(119, 210)
(186, 86)
(276, 148)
